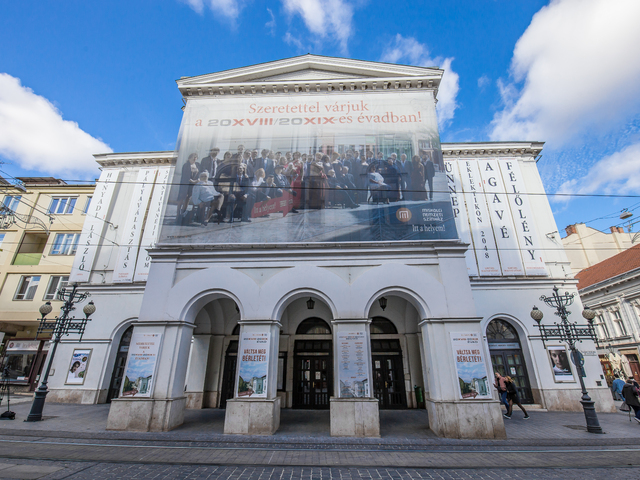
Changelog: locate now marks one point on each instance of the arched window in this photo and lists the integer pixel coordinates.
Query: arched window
(500, 331)
(383, 325)
(313, 326)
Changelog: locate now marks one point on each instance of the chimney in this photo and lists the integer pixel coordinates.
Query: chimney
(616, 229)
(571, 229)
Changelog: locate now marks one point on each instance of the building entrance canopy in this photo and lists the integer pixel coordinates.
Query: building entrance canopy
(295, 168)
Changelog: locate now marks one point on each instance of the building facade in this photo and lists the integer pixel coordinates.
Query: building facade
(612, 289)
(586, 246)
(41, 226)
(300, 298)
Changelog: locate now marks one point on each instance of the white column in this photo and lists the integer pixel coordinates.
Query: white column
(198, 361)
(354, 410)
(255, 408)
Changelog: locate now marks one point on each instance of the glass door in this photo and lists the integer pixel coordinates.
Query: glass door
(388, 381)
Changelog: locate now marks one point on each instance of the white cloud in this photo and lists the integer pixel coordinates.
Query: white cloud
(296, 42)
(575, 70)
(227, 8)
(617, 173)
(271, 24)
(416, 53)
(35, 136)
(325, 18)
(483, 82)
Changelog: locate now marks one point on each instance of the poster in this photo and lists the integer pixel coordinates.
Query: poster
(470, 365)
(78, 366)
(353, 360)
(254, 365)
(560, 364)
(309, 168)
(139, 373)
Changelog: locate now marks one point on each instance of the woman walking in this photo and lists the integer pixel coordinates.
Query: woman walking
(512, 397)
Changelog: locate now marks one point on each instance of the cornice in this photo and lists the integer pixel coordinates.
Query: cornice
(106, 160)
(492, 149)
(350, 76)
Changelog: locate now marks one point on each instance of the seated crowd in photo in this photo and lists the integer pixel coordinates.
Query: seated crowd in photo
(230, 187)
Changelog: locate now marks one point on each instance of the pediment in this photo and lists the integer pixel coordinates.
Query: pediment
(308, 68)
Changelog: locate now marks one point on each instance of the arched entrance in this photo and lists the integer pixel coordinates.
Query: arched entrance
(388, 368)
(230, 365)
(312, 365)
(507, 357)
(119, 364)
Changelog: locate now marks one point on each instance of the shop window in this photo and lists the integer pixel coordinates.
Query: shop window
(12, 201)
(62, 205)
(383, 326)
(65, 244)
(31, 249)
(19, 365)
(313, 326)
(27, 287)
(55, 284)
(87, 205)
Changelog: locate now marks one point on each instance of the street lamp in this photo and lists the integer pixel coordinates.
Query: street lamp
(62, 325)
(571, 333)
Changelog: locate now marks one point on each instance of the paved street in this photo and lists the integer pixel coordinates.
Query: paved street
(71, 442)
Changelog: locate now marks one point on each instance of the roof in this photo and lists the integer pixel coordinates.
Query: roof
(611, 267)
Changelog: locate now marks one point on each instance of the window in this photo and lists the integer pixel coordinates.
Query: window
(55, 284)
(619, 324)
(87, 205)
(382, 325)
(65, 244)
(601, 327)
(62, 205)
(27, 287)
(313, 326)
(12, 201)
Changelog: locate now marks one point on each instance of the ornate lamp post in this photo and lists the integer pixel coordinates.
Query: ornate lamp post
(571, 333)
(62, 325)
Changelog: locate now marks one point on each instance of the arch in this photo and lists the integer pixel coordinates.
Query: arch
(313, 326)
(409, 295)
(294, 295)
(198, 301)
(499, 329)
(382, 325)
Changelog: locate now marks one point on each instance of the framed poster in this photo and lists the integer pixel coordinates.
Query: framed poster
(353, 360)
(560, 365)
(139, 373)
(254, 364)
(469, 360)
(78, 366)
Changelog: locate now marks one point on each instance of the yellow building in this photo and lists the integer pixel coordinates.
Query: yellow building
(40, 226)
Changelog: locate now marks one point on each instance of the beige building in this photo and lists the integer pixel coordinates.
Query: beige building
(40, 226)
(586, 246)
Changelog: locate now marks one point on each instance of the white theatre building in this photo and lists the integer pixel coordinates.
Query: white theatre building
(300, 299)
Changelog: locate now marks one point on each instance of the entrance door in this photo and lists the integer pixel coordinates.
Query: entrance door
(388, 381)
(634, 365)
(229, 374)
(119, 364)
(312, 374)
(510, 363)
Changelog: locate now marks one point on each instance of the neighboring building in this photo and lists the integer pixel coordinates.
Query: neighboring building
(612, 289)
(586, 246)
(39, 232)
(433, 293)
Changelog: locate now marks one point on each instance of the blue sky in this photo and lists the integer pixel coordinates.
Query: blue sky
(81, 77)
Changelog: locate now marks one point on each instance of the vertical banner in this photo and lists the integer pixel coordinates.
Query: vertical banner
(152, 225)
(254, 364)
(128, 250)
(470, 366)
(522, 217)
(139, 373)
(94, 224)
(460, 214)
(353, 369)
(501, 220)
(485, 245)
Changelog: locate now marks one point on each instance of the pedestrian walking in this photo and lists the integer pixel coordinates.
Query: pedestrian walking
(501, 386)
(630, 394)
(512, 397)
(616, 387)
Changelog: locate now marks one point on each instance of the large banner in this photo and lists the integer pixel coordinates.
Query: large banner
(140, 371)
(469, 360)
(253, 373)
(309, 168)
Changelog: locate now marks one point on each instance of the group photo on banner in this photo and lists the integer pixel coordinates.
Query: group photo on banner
(363, 170)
